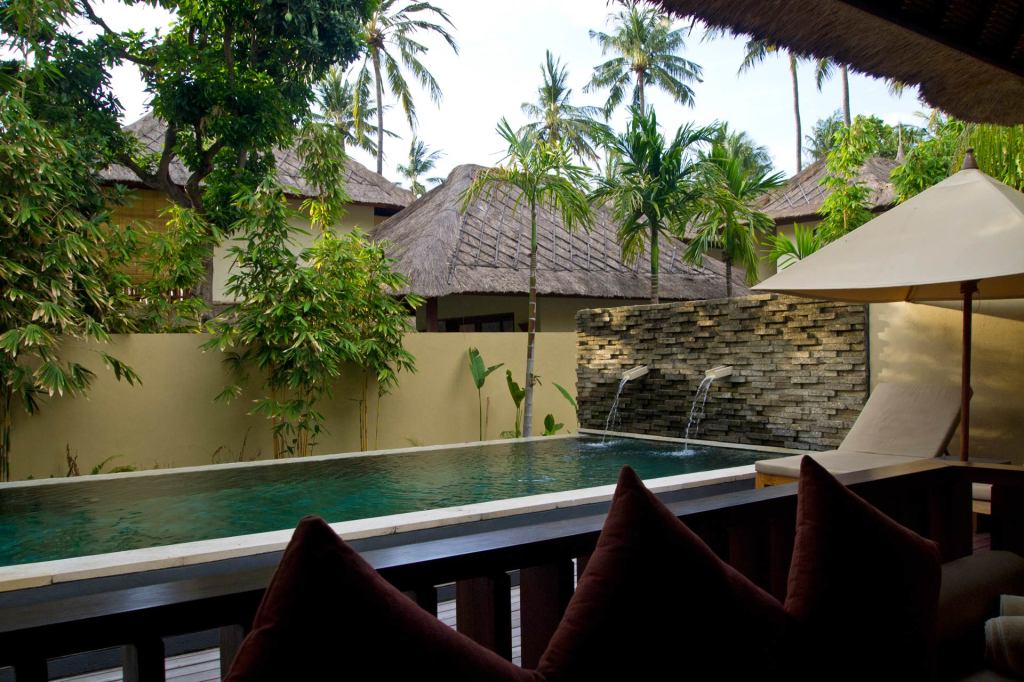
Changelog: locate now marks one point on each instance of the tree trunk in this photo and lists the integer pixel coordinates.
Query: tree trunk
(796, 113)
(655, 258)
(380, 112)
(364, 438)
(531, 326)
(6, 402)
(845, 75)
(728, 276)
(640, 91)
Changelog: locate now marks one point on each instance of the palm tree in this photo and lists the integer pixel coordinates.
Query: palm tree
(824, 69)
(756, 52)
(421, 162)
(554, 117)
(737, 143)
(545, 175)
(336, 99)
(731, 224)
(822, 139)
(393, 27)
(657, 188)
(646, 48)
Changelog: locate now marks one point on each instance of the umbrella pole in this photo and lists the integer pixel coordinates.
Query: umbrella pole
(968, 290)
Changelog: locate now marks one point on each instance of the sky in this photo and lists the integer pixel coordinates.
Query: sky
(501, 48)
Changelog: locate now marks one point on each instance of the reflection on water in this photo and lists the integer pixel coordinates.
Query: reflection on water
(93, 517)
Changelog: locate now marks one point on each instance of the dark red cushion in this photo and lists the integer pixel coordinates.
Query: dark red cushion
(328, 615)
(656, 603)
(863, 588)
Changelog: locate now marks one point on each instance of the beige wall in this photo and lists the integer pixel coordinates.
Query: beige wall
(554, 313)
(922, 343)
(171, 420)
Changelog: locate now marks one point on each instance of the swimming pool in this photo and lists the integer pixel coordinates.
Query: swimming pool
(80, 517)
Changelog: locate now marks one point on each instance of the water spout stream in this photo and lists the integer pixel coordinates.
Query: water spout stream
(700, 399)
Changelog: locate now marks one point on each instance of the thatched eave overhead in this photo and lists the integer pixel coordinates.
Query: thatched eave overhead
(485, 250)
(363, 185)
(967, 57)
(802, 196)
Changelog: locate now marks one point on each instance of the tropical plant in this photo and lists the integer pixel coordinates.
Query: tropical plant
(550, 426)
(738, 144)
(646, 48)
(823, 136)
(824, 70)
(730, 223)
(845, 207)
(391, 29)
(336, 99)
(61, 266)
(554, 117)
(756, 51)
(518, 394)
(542, 174)
(658, 189)
(783, 251)
(568, 396)
(421, 161)
(480, 371)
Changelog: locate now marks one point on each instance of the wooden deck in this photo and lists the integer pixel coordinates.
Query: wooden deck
(204, 666)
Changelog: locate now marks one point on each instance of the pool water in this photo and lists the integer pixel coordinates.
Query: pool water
(83, 517)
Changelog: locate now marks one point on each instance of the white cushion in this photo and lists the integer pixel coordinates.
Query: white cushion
(834, 461)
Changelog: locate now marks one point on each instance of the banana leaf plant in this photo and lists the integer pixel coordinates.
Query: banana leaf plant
(518, 394)
(480, 371)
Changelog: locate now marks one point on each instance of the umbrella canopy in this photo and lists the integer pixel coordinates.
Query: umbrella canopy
(960, 238)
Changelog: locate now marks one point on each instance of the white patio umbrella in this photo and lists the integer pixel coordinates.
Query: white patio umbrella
(960, 239)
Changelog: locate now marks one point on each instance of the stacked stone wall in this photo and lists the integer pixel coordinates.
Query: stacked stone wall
(799, 377)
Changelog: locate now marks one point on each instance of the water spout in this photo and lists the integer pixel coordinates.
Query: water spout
(627, 376)
(720, 372)
(700, 399)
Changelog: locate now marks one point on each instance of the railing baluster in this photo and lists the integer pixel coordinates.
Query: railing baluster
(144, 661)
(483, 611)
(544, 593)
(231, 637)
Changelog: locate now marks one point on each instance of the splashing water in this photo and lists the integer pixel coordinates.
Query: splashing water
(613, 413)
(700, 399)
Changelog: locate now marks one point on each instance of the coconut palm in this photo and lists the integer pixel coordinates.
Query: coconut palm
(554, 117)
(824, 70)
(822, 139)
(658, 188)
(730, 224)
(756, 52)
(646, 48)
(390, 30)
(543, 174)
(739, 144)
(421, 161)
(336, 99)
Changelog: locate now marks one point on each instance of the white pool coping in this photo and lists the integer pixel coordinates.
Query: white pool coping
(38, 574)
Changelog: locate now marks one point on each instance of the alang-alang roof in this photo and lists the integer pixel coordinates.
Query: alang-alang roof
(800, 199)
(363, 185)
(487, 250)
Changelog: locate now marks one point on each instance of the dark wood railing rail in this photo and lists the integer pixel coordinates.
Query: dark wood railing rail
(752, 530)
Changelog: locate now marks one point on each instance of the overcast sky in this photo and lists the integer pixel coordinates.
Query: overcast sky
(501, 48)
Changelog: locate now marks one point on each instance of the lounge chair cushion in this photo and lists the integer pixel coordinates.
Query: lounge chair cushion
(863, 588)
(909, 420)
(328, 615)
(835, 461)
(656, 603)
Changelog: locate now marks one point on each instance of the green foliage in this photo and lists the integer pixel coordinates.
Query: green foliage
(421, 161)
(550, 427)
(822, 139)
(646, 46)
(298, 324)
(480, 371)
(730, 223)
(60, 265)
(846, 205)
(555, 118)
(389, 45)
(518, 394)
(784, 251)
(540, 173)
(568, 396)
(336, 99)
(658, 187)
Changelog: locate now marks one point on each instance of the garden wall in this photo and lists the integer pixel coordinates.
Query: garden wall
(172, 419)
(800, 373)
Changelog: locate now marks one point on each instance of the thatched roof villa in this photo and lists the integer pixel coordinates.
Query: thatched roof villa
(473, 267)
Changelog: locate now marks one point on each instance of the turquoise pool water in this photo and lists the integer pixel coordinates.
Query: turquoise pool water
(82, 517)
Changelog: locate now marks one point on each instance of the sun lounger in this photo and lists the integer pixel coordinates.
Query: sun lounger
(899, 423)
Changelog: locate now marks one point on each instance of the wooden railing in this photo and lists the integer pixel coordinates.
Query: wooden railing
(752, 530)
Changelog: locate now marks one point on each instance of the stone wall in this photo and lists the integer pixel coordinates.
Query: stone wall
(800, 371)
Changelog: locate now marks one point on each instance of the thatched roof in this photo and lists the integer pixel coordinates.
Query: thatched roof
(801, 197)
(363, 185)
(486, 250)
(967, 57)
